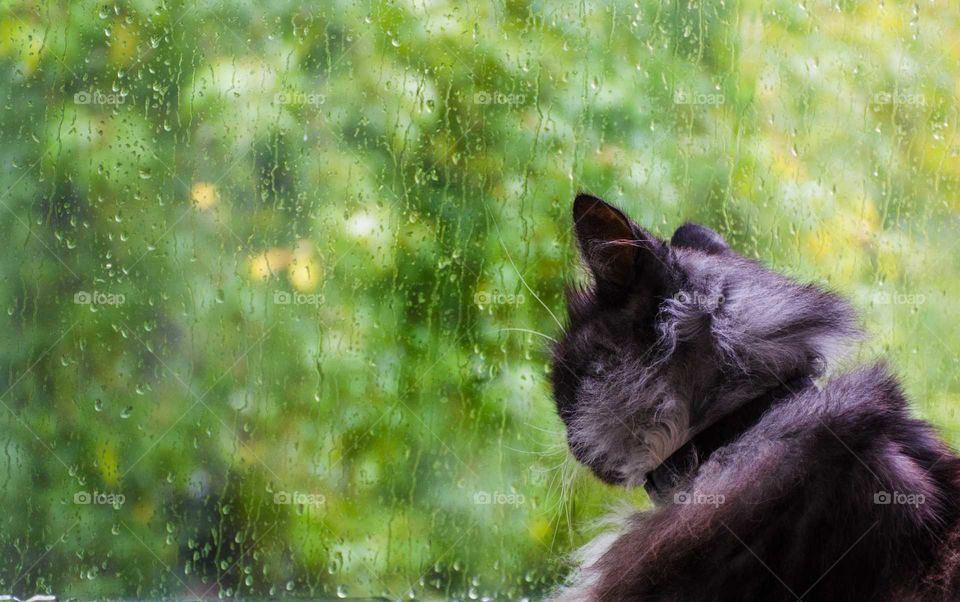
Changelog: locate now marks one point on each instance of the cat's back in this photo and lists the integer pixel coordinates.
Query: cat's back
(864, 492)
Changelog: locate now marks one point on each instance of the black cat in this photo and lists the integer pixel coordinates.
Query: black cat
(689, 369)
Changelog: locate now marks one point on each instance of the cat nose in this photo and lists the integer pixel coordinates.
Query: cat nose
(610, 476)
(601, 467)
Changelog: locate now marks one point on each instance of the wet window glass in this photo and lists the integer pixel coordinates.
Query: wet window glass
(281, 279)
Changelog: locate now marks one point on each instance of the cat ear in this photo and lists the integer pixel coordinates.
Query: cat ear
(699, 238)
(612, 246)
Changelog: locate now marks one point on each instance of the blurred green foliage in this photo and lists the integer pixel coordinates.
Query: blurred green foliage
(281, 276)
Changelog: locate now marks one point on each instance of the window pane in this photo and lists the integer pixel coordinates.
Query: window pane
(281, 279)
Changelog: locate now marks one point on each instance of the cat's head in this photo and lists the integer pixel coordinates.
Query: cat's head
(672, 335)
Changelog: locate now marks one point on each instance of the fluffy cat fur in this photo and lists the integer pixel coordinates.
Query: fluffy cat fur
(782, 490)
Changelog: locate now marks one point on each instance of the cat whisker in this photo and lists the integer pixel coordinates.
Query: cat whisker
(547, 431)
(528, 331)
(524, 451)
(524, 280)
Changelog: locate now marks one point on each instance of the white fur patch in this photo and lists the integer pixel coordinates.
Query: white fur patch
(580, 586)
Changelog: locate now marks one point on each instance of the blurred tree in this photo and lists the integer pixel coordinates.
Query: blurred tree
(282, 278)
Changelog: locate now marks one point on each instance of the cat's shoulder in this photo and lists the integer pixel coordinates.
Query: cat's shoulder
(854, 421)
(855, 403)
